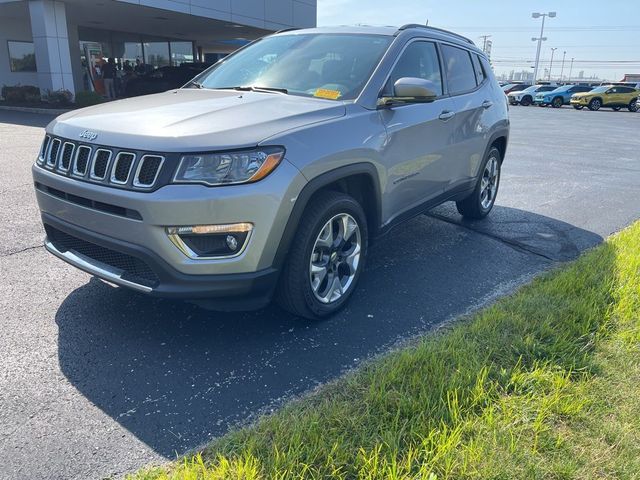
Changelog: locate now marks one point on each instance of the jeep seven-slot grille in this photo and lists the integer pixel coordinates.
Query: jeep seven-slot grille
(135, 269)
(104, 165)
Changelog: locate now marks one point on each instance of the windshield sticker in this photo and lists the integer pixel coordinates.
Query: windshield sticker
(330, 94)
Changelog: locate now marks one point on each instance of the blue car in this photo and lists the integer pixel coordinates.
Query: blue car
(560, 96)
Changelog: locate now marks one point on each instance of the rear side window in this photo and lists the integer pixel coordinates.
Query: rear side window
(419, 60)
(625, 90)
(479, 68)
(460, 74)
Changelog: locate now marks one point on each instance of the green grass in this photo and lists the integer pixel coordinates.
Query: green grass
(543, 384)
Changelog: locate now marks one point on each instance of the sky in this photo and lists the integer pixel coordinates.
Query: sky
(603, 37)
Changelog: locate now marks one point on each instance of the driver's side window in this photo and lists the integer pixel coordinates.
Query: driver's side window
(419, 60)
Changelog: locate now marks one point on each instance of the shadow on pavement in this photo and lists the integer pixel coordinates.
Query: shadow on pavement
(25, 118)
(175, 375)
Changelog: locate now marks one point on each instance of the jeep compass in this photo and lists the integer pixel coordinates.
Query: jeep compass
(269, 174)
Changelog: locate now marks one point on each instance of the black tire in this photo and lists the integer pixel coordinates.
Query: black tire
(471, 207)
(526, 101)
(557, 102)
(578, 107)
(616, 109)
(633, 105)
(595, 104)
(294, 292)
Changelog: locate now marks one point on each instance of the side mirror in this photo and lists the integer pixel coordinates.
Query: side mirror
(410, 90)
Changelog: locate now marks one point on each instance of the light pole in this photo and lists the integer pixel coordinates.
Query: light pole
(570, 69)
(553, 50)
(564, 54)
(540, 39)
(484, 42)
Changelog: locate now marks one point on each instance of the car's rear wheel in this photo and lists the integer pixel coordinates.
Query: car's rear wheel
(595, 104)
(326, 258)
(578, 107)
(557, 102)
(481, 201)
(633, 105)
(526, 101)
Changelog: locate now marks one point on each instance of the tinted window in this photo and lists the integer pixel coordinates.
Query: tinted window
(460, 75)
(546, 89)
(419, 60)
(480, 73)
(625, 90)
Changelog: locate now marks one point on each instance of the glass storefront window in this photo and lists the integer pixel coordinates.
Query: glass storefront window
(181, 52)
(156, 54)
(22, 56)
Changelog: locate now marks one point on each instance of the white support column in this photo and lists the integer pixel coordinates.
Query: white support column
(51, 41)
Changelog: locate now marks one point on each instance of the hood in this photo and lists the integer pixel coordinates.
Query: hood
(195, 119)
(581, 94)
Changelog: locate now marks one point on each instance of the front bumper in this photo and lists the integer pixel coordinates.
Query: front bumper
(578, 101)
(135, 224)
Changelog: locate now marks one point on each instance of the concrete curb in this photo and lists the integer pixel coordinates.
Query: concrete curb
(46, 111)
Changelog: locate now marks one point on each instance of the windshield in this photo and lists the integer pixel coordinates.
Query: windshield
(333, 66)
(600, 89)
(531, 89)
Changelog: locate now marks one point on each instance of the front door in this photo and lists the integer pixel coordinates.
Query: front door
(419, 136)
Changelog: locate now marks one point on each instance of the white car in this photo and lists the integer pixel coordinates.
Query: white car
(525, 97)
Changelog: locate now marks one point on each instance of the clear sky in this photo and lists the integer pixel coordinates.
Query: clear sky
(602, 36)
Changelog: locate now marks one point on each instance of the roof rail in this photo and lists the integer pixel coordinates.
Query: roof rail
(435, 29)
(287, 29)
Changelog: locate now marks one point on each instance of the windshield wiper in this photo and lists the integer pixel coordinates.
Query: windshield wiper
(196, 84)
(255, 89)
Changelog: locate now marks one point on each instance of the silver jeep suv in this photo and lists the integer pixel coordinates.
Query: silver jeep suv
(271, 172)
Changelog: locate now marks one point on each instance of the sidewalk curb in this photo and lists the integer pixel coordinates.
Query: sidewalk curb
(46, 111)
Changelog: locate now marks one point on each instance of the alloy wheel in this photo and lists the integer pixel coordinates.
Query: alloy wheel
(335, 258)
(489, 183)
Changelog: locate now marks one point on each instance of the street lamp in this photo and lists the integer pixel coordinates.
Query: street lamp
(553, 50)
(564, 54)
(570, 69)
(540, 39)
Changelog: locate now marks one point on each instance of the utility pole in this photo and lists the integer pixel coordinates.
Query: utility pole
(484, 42)
(564, 54)
(553, 50)
(570, 69)
(540, 39)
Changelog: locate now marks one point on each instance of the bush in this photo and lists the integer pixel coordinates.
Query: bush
(21, 94)
(85, 99)
(59, 98)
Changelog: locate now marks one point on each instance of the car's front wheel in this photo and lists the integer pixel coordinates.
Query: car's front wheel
(595, 104)
(480, 202)
(557, 102)
(326, 257)
(526, 101)
(633, 105)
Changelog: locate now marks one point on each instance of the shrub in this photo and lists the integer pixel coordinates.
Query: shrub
(59, 98)
(85, 99)
(21, 94)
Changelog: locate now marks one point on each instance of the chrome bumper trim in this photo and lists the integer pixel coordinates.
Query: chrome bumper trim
(99, 269)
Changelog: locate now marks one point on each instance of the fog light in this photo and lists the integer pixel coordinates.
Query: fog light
(210, 241)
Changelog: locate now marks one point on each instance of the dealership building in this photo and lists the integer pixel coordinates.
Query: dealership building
(51, 44)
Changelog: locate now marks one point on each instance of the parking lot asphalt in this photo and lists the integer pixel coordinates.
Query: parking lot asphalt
(96, 381)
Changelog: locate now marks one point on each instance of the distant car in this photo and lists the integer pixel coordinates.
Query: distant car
(514, 87)
(163, 79)
(560, 96)
(610, 96)
(525, 97)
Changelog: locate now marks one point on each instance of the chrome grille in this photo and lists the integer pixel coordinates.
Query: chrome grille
(137, 170)
(53, 152)
(122, 167)
(43, 149)
(67, 155)
(148, 170)
(101, 160)
(82, 160)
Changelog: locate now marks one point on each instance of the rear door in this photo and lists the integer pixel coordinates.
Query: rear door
(417, 153)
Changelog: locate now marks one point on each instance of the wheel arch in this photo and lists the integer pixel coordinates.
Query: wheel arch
(360, 180)
(498, 140)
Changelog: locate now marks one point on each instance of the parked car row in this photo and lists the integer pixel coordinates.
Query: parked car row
(578, 96)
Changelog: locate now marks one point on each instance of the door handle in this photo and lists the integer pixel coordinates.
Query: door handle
(446, 115)
(487, 104)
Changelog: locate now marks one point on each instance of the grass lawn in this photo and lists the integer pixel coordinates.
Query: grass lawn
(543, 384)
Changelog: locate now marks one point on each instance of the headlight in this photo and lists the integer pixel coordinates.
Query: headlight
(228, 168)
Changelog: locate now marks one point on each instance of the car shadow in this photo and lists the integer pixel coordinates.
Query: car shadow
(175, 375)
